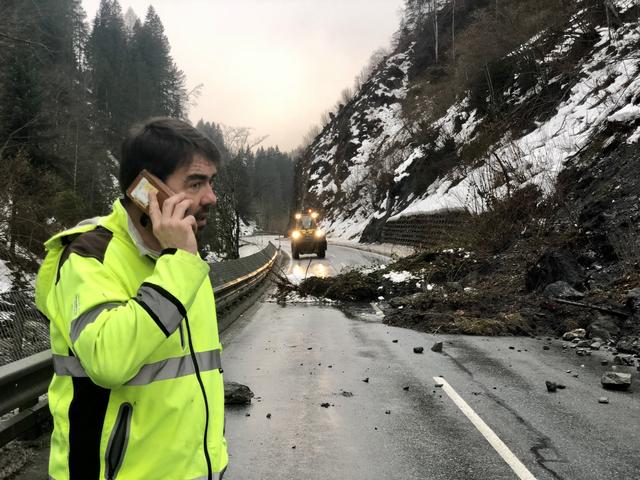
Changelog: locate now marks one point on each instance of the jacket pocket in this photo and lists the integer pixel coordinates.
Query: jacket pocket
(118, 441)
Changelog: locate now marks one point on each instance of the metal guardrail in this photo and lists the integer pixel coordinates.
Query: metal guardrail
(24, 381)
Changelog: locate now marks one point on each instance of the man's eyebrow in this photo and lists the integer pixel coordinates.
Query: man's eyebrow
(198, 176)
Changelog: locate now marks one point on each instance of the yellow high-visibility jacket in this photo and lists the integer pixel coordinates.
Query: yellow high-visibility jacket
(127, 399)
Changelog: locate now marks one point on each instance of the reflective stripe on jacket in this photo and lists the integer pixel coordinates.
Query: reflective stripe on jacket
(127, 399)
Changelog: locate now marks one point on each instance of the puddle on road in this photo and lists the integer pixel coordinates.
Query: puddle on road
(363, 312)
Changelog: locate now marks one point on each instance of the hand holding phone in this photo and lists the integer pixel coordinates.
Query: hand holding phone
(173, 226)
(144, 183)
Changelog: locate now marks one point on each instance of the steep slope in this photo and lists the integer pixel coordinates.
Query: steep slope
(501, 101)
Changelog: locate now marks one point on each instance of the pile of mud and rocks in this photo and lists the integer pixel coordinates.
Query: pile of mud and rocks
(456, 291)
(567, 261)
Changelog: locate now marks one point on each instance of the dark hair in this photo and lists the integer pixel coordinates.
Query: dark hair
(161, 145)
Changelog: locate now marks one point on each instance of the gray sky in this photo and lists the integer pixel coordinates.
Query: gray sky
(273, 65)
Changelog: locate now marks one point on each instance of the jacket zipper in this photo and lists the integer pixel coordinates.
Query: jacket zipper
(118, 441)
(204, 396)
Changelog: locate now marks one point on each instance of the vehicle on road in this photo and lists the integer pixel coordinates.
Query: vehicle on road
(307, 237)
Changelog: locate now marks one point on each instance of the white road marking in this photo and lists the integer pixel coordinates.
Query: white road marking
(377, 309)
(507, 455)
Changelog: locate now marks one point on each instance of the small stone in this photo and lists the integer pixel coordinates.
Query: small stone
(247, 414)
(440, 384)
(365, 380)
(551, 386)
(325, 405)
(595, 346)
(560, 386)
(512, 348)
(406, 389)
(546, 347)
(562, 289)
(616, 380)
(237, 394)
(388, 412)
(584, 343)
(603, 400)
(394, 341)
(268, 415)
(309, 348)
(418, 349)
(604, 362)
(346, 394)
(437, 347)
(293, 448)
(578, 333)
(625, 360)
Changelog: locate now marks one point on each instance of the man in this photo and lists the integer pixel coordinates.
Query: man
(137, 391)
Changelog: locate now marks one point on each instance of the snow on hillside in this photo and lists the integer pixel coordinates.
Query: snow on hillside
(608, 86)
(606, 89)
(376, 120)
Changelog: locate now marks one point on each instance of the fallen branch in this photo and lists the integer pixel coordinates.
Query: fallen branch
(592, 307)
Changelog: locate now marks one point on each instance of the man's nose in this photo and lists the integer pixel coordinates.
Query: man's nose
(210, 197)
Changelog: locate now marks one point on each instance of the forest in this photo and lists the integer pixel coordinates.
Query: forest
(70, 88)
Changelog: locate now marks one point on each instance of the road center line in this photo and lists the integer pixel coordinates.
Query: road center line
(507, 455)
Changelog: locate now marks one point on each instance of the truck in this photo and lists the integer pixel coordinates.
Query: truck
(307, 236)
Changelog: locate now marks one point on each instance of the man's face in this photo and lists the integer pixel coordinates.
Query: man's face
(196, 181)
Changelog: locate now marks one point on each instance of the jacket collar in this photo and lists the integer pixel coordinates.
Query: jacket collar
(120, 222)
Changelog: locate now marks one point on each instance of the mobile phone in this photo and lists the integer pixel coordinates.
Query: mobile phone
(144, 183)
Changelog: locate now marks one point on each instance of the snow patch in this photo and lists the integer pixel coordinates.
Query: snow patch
(6, 282)
(399, 277)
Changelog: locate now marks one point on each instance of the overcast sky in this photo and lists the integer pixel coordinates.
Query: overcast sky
(272, 65)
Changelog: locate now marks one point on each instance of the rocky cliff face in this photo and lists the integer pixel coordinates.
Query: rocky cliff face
(476, 103)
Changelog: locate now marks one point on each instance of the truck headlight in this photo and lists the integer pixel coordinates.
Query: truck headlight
(295, 234)
(319, 233)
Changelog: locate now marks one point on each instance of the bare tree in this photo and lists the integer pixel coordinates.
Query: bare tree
(239, 142)
(237, 139)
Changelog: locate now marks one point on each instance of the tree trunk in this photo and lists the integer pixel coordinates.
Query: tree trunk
(435, 29)
(236, 246)
(453, 33)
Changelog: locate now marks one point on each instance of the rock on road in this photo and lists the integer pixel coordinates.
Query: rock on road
(306, 365)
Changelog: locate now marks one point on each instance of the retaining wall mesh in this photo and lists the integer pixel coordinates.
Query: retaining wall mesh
(23, 330)
(423, 231)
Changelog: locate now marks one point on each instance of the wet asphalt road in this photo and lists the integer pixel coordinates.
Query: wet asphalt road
(338, 259)
(297, 357)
